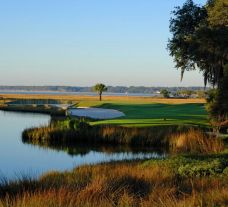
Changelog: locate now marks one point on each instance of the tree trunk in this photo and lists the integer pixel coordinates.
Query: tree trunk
(100, 97)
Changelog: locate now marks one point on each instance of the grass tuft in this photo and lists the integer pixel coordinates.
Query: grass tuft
(195, 141)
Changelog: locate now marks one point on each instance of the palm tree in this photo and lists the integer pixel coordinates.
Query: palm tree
(100, 88)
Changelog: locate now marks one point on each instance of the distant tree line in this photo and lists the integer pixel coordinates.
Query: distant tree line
(110, 89)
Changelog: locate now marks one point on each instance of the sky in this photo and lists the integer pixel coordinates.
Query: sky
(82, 42)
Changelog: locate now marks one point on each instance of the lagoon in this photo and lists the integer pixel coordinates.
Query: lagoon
(25, 159)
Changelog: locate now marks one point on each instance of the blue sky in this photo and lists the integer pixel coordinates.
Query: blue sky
(82, 42)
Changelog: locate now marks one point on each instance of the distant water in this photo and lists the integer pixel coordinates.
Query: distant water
(78, 93)
(18, 158)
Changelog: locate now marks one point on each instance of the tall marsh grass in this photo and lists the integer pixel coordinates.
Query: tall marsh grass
(103, 134)
(178, 139)
(195, 141)
(84, 98)
(152, 183)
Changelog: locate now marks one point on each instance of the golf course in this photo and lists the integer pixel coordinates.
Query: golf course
(155, 114)
(139, 111)
(114, 103)
(194, 169)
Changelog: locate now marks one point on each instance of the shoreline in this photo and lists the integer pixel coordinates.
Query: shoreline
(135, 99)
(38, 110)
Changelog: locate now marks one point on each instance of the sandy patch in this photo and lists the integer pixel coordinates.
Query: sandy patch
(95, 113)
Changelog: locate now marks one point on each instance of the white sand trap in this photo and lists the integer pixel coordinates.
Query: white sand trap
(95, 113)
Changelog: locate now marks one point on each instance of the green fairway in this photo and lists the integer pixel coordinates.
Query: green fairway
(153, 114)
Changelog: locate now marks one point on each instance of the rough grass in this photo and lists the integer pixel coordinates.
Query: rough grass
(176, 139)
(169, 182)
(195, 141)
(94, 100)
(105, 134)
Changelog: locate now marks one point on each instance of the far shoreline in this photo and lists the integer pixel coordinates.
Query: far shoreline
(134, 99)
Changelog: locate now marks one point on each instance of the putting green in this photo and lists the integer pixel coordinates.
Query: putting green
(156, 114)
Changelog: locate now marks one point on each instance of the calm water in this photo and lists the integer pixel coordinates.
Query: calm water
(18, 158)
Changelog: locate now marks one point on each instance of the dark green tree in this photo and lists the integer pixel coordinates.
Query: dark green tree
(100, 88)
(217, 13)
(201, 94)
(200, 41)
(217, 100)
(165, 93)
(186, 93)
(197, 43)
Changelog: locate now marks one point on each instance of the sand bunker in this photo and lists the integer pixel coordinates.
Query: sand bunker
(95, 113)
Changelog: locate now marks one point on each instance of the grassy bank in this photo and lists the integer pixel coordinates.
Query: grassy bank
(35, 109)
(104, 134)
(179, 138)
(176, 181)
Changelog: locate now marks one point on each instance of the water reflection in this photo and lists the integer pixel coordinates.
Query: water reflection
(82, 149)
(19, 157)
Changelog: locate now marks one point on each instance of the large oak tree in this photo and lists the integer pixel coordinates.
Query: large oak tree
(200, 41)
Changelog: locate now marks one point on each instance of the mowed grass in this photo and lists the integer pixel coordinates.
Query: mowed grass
(139, 111)
(153, 114)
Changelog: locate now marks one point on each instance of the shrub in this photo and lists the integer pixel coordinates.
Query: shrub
(199, 169)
